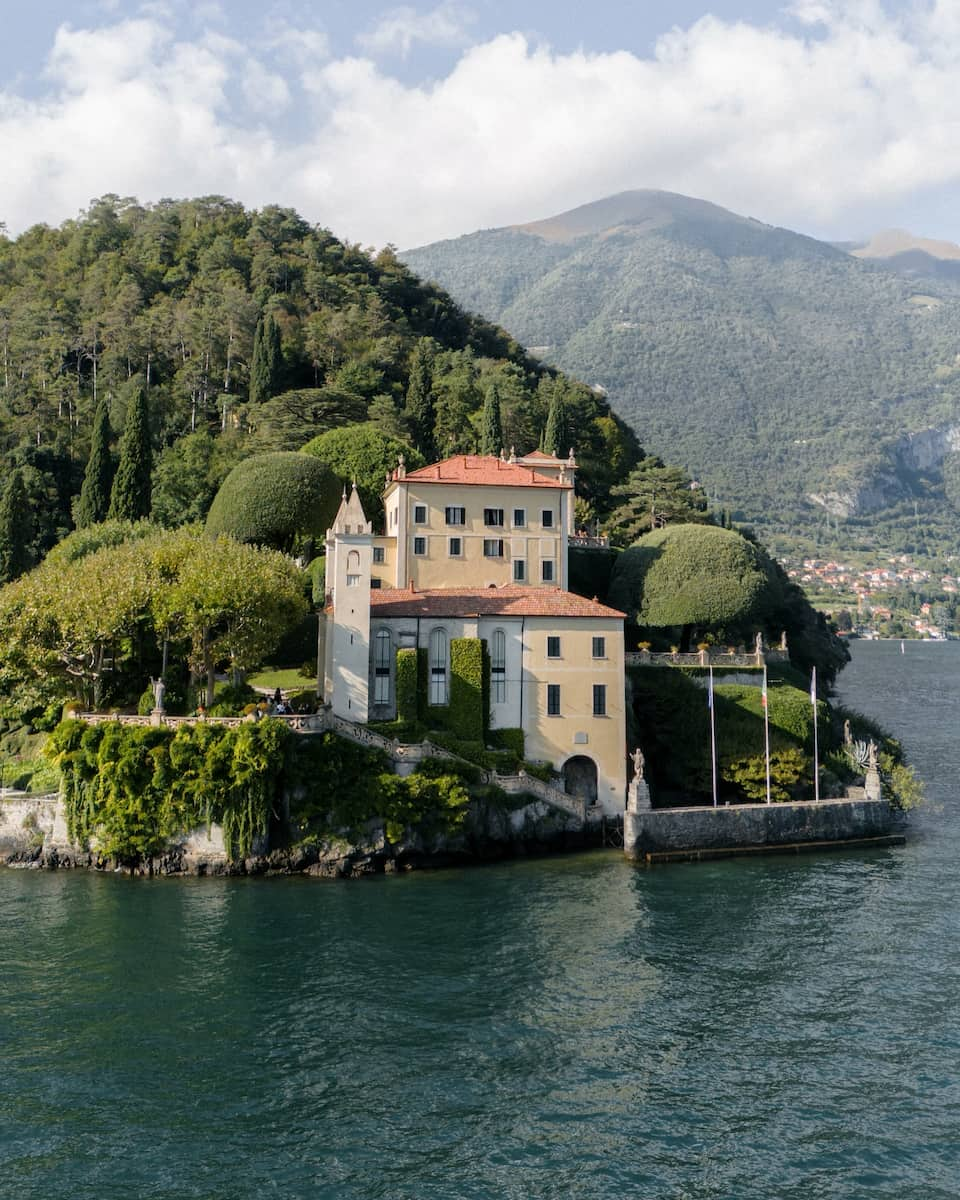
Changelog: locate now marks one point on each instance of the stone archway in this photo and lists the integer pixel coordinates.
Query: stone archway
(580, 778)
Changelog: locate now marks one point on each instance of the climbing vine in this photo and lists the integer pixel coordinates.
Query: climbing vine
(135, 788)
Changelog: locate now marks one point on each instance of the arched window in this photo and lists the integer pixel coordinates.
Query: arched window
(381, 667)
(353, 569)
(438, 667)
(498, 666)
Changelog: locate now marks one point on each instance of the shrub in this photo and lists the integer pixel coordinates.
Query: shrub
(407, 689)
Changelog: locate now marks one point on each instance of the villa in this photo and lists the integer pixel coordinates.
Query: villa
(473, 567)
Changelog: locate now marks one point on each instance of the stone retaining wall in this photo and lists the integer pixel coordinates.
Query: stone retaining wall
(677, 829)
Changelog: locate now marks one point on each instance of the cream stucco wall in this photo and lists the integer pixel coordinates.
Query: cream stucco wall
(576, 731)
(438, 568)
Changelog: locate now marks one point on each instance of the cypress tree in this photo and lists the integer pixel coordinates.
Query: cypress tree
(130, 498)
(266, 366)
(555, 434)
(95, 493)
(491, 428)
(419, 402)
(16, 529)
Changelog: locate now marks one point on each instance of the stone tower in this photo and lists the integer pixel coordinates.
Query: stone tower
(349, 548)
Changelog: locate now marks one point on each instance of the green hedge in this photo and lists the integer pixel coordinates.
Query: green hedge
(507, 739)
(466, 713)
(407, 689)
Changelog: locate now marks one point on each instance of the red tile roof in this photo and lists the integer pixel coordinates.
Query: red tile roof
(482, 470)
(485, 602)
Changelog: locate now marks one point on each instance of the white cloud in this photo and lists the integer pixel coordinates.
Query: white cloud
(811, 123)
(400, 28)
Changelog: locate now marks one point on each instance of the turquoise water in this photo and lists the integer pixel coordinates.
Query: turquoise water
(565, 1027)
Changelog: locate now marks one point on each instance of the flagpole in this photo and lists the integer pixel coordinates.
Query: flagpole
(816, 751)
(766, 727)
(713, 742)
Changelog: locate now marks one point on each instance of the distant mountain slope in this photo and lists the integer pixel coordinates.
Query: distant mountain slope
(790, 376)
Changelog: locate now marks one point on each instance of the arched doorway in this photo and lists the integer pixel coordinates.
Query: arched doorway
(580, 778)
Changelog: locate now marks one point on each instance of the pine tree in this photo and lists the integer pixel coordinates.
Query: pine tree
(130, 498)
(555, 434)
(266, 366)
(16, 530)
(491, 428)
(419, 403)
(95, 494)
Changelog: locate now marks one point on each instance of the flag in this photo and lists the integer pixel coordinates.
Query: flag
(763, 692)
(710, 690)
(813, 687)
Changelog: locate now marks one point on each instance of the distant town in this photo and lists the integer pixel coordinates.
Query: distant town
(893, 598)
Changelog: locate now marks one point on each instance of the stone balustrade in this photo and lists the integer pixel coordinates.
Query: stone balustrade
(755, 660)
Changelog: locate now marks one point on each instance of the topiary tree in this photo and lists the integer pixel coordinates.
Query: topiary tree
(130, 497)
(94, 499)
(366, 454)
(277, 500)
(691, 575)
(555, 433)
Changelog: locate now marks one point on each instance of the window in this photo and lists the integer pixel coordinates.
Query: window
(498, 667)
(599, 647)
(378, 554)
(519, 518)
(455, 547)
(493, 547)
(546, 518)
(553, 699)
(519, 570)
(599, 699)
(353, 581)
(381, 667)
(455, 516)
(553, 647)
(493, 517)
(419, 514)
(419, 545)
(438, 667)
(546, 570)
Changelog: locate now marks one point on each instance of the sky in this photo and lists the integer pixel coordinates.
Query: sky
(403, 124)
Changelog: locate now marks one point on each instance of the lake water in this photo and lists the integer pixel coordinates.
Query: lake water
(575, 1027)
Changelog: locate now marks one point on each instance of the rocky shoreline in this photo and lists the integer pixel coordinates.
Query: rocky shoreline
(33, 836)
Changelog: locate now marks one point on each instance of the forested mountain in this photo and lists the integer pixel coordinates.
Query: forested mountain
(212, 333)
(804, 387)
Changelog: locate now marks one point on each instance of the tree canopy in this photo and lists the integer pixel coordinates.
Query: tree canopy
(365, 454)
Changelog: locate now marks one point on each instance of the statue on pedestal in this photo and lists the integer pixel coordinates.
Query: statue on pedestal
(159, 687)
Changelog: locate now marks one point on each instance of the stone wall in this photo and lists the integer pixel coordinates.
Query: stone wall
(740, 825)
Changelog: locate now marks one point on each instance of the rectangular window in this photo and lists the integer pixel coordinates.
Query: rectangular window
(455, 516)
(493, 547)
(493, 517)
(553, 699)
(353, 581)
(419, 514)
(599, 647)
(599, 699)
(546, 518)
(519, 570)
(378, 554)
(546, 570)
(553, 647)
(455, 547)
(419, 545)
(519, 518)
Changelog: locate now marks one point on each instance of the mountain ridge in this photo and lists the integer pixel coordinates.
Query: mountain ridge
(776, 367)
